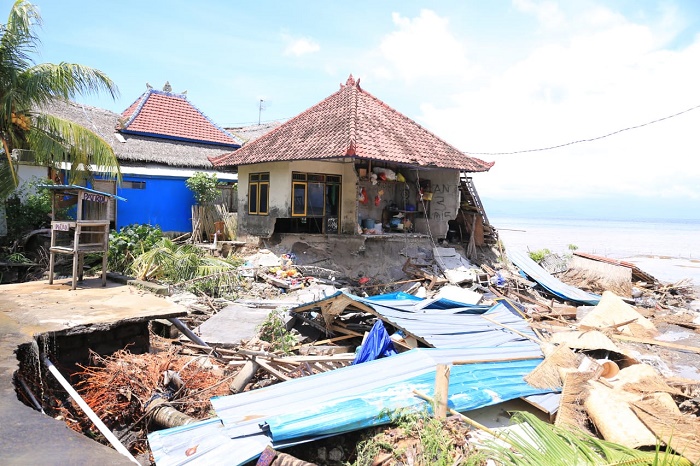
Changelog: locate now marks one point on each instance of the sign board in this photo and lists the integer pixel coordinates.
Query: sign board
(101, 198)
(61, 226)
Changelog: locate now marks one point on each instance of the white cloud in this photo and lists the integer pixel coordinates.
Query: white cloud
(300, 46)
(608, 73)
(422, 47)
(548, 13)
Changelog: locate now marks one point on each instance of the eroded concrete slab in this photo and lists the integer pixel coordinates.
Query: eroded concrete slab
(29, 309)
(232, 324)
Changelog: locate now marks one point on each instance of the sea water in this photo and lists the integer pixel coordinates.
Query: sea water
(667, 249)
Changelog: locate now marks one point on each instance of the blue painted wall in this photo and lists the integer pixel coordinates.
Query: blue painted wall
(166, 202)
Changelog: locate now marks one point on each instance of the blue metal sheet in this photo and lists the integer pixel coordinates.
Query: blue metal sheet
(550, 283)
(203, 443)
(358, 396)
(471, 386)
(339, 398)
(443, 330)
(56, 187)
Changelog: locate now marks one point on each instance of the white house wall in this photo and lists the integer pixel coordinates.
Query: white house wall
(281, 189)
(443, 206)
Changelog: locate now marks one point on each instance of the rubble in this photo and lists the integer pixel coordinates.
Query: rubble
(564, 340)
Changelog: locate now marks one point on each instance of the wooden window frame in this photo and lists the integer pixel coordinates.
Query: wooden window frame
(255, 182)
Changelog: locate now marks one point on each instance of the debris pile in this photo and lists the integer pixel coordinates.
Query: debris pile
(130, 391)
(304, 352)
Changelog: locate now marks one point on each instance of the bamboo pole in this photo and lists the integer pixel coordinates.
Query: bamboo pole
(480, 361)
(466, 419)
(694, 349)
(111, 438)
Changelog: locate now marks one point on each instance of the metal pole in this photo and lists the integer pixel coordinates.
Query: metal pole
(90, 413)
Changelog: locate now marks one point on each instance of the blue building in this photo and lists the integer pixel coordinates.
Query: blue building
(161, 140)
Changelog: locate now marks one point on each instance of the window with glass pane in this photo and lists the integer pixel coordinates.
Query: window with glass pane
(258, 193)
(299, 199)
(264, 190)
(315, 200)
(253, 198)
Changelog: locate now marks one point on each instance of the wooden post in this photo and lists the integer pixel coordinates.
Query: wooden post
(442, 386)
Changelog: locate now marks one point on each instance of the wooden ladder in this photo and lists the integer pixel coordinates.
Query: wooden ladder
(466, 184)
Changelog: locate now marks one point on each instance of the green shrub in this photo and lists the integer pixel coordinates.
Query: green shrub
(130, 242)
(539, 255)
(274, 330)
(27, 209)
(203, 186)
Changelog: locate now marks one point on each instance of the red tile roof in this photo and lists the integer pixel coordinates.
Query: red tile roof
(171, 116)
(353, 123)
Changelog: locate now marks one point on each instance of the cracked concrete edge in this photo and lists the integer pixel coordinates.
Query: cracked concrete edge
(142, 284)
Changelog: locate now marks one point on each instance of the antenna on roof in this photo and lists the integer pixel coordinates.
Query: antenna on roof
(260, 109)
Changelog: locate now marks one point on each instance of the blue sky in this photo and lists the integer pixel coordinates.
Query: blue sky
(488, 77)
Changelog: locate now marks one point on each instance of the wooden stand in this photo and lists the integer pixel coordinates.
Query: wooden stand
(88, 233)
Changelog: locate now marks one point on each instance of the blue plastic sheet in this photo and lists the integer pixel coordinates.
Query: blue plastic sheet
(377, 345)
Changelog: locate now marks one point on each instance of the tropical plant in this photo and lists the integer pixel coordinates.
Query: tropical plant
(128, 243)
(539, 255)
(539, 443)
(203, 186)
(274, 330)
(25, 87)
(29, 208)
(185, 265)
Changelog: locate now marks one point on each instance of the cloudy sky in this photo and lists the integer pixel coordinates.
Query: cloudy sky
(501, 79)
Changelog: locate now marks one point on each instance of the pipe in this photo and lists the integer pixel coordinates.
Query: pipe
(167, 416)
(186, 330)
(90, 413)
(29, 393)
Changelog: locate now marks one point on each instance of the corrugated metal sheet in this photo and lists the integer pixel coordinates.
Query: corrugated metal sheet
(442, 329)
(358, 396)
(550, 283)
(353, 397)
(203, 443)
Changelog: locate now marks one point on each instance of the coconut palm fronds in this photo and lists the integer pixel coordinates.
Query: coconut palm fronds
(536, 442)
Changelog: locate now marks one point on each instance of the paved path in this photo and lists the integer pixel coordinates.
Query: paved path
(28, 437)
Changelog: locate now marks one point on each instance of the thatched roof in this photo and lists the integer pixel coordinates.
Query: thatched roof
(136, 148)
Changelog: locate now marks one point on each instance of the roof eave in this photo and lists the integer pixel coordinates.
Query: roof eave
(181, 139)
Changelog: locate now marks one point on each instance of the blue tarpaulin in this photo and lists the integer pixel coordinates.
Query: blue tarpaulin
(377, 345)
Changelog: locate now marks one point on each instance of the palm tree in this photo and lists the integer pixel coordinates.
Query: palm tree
(25, 87)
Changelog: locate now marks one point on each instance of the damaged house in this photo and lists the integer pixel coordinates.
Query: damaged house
(352, 165)
(161, 140)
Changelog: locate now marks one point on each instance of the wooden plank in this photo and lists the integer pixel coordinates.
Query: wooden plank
(272, 370)
(324, 342)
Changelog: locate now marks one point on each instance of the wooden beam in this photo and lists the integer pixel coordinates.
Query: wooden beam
(694, 349)
(442, 386)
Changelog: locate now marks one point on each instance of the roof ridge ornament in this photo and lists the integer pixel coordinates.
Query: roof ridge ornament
(167, 87)
(350, 81)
